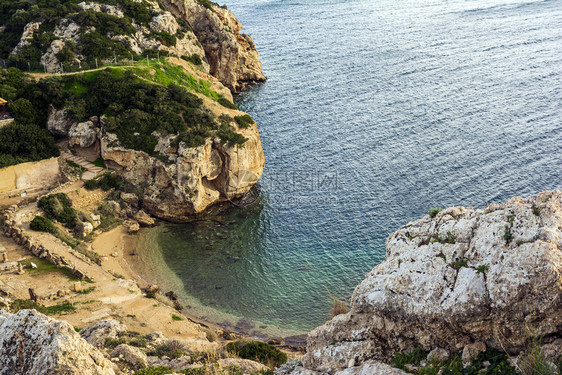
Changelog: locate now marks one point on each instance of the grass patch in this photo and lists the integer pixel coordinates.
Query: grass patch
(244, 121)
(433, 212)
(99, 163)
(257, 351)
(88, 290)
(507, 236)
(172, 349)
(227, 103)
(160, 370)
(338, 307)
(44, 266)
(22, 304)
(482, 268)
(460, 263)
(177, 318)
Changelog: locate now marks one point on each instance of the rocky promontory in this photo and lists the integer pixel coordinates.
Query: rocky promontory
(232, 56)
(458, 280)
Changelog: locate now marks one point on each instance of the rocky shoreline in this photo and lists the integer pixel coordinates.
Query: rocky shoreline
(456, 281)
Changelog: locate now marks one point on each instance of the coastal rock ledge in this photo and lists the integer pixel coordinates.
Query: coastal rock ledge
(463, 276)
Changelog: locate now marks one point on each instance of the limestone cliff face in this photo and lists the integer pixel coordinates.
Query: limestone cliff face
(232, 56)
(191, 179)
(33, 344)
(463, 276)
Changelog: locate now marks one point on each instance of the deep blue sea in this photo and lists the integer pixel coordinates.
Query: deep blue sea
(373, 112)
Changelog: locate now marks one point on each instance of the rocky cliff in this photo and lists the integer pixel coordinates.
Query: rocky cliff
(232, 56)
(188, 180)
(33, 344)
(86, 34)
(490, 276)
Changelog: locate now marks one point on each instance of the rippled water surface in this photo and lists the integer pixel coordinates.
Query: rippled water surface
(374, 111)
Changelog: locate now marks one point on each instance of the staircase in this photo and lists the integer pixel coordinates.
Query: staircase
(91, 172)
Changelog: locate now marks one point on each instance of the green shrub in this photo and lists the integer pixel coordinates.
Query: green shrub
(257, 351)
(22, 304)
(25, 304)
(460, 263)
(244, 121)
(172, 349)
(195, 59)
(507, 235)
(42, 224)
(231, 137)
(482, 268)
(62, 308)
(91, 184)
(160, 370)
(433, 212)
(177, 318)
(59, 207)
(111, 342)
(110, 181)
(99, 163)
(227, 103)
(410, 357)
(23, 142)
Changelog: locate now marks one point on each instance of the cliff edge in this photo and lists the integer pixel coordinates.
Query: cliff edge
(232, 56)
(491, 276)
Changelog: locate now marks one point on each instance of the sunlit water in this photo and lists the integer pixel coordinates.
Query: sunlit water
(374, 111)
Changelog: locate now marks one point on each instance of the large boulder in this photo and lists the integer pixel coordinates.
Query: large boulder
(83, 134)
(59, 122)
(97, 332)
(463, 276)
(131, 355)
(33, 344)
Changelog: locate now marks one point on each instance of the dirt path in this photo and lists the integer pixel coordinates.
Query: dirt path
(115, 292)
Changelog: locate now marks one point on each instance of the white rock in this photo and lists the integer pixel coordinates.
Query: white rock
(131, 355)
(97, 332)
(164, 22)
(83, 134)
(434, 293)
(438, 354)
(28, 31)
(33, 344)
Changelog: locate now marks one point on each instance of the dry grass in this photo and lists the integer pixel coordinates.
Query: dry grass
(338, 307)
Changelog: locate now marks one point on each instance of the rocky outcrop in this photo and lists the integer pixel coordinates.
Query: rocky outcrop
(462, 279)
(131, 355)
(33, 344)
(232, 56)
(84, 134)
(28, 31)
(191, 179)
(96, 333)
(59, 122)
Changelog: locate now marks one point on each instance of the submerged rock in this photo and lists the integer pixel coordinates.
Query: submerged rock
(34, 344)
(461, 277)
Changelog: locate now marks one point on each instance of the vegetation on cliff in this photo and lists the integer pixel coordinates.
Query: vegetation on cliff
(138, 102)
(91, 32)
(26, 139)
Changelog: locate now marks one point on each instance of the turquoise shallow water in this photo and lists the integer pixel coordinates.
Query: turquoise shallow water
(374, 112)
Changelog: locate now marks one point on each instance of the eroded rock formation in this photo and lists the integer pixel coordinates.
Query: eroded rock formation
(232, 56)
(191, 179)
(33, 344)
(492, 276)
